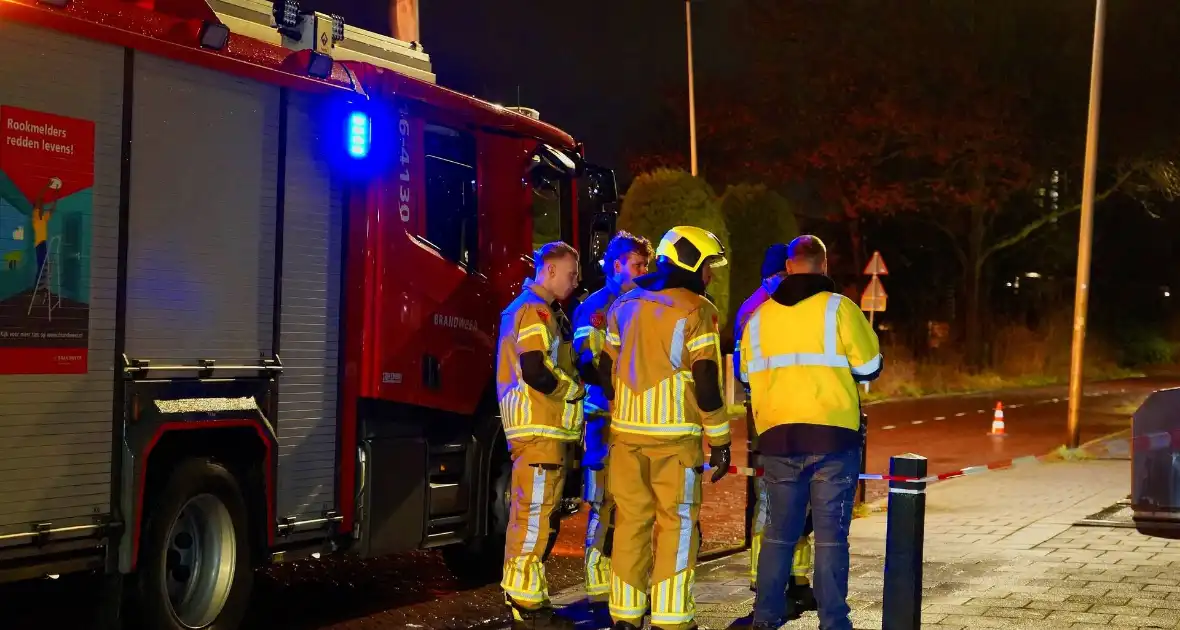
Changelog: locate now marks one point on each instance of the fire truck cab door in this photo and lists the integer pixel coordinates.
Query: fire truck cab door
(454, 302)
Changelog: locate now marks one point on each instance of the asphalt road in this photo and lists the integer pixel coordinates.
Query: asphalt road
(952, 432)
(417, 591)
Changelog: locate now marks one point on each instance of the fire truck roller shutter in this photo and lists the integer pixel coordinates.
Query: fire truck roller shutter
(309, 342)
(201, 237)
(55, 429)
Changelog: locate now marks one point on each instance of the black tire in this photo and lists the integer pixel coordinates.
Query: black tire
(198, 490)
(481, 560)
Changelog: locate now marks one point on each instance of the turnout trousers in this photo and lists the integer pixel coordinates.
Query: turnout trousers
(601, 518)
(655, 483)
(538, 476)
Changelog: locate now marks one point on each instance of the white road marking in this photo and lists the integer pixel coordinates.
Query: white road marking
(889, 427)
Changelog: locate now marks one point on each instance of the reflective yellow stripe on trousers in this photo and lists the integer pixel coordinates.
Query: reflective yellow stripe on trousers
(672, 597)
(626, 602)
(597, 565)
(522, 584)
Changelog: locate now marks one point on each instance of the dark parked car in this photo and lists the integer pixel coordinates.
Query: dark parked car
(1155, 472)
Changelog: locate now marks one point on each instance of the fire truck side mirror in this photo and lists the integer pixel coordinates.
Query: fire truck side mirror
(548, 162)
(601, 185)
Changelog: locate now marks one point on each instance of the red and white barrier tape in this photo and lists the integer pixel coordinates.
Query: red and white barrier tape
(1121, 446)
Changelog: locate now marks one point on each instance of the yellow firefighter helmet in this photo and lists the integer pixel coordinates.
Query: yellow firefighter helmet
(689, 247)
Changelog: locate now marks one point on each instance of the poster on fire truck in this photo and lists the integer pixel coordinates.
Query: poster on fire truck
(46, 199)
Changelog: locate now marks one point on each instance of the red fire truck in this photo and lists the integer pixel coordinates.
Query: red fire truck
(254, 261)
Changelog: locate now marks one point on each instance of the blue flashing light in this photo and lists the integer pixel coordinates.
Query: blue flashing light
(359, 135)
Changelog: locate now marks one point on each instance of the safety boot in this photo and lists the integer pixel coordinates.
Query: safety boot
(538, 619)
(801, 597)
(624, 625)
(589, 613)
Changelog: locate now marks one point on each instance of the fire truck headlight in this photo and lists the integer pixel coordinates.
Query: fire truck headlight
(213, 35)
(358, 135)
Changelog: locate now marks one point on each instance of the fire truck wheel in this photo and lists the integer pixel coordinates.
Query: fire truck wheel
(481, 560)
(195, 570)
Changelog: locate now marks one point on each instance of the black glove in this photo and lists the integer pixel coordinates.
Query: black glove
(719, 462)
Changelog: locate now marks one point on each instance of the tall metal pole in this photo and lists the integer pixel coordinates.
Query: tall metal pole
(692, 104)
(1086, 231)
(872, 313)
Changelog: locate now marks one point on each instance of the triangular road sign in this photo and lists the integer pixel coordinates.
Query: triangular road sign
(874, 297)
(875, 289)
(876, 266)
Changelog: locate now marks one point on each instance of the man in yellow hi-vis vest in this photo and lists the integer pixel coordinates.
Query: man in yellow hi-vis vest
(626, 258)
(541, 406)
(662, 369)
(803, 352)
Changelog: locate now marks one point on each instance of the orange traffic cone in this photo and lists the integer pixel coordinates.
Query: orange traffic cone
(998, 421)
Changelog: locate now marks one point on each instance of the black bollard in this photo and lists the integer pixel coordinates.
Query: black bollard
(864, 459)
(902, 601)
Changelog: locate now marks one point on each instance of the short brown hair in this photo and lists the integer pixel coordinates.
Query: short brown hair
(807, 249)
(552, 251)
(626, 243)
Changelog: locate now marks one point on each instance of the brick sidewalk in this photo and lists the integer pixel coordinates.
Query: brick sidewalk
(1001, 552)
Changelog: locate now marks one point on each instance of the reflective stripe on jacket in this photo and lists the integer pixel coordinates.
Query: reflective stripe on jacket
(590, 338)
(745, 312)
(653, 339)
(802, 362)
(531, 324)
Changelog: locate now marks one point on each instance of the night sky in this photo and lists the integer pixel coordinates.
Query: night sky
(597, 69)
(602, 70)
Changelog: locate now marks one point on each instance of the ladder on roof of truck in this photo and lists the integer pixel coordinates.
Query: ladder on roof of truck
(255, 19)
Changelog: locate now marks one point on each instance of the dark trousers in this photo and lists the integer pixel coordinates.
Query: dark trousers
(828, 483)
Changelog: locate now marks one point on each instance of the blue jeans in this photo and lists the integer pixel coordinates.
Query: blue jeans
(828, 483)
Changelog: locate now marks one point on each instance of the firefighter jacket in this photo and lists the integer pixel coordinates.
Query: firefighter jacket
(745, 311)
(803, 351)
(589, 340)
(663, 352)
(536, 382)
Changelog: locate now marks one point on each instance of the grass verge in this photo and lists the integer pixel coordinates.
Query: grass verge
(934, 380)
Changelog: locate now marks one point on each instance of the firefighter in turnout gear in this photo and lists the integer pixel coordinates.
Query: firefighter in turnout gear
(540, 399)
(627, 257)
(662, 372)
(799, 593)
